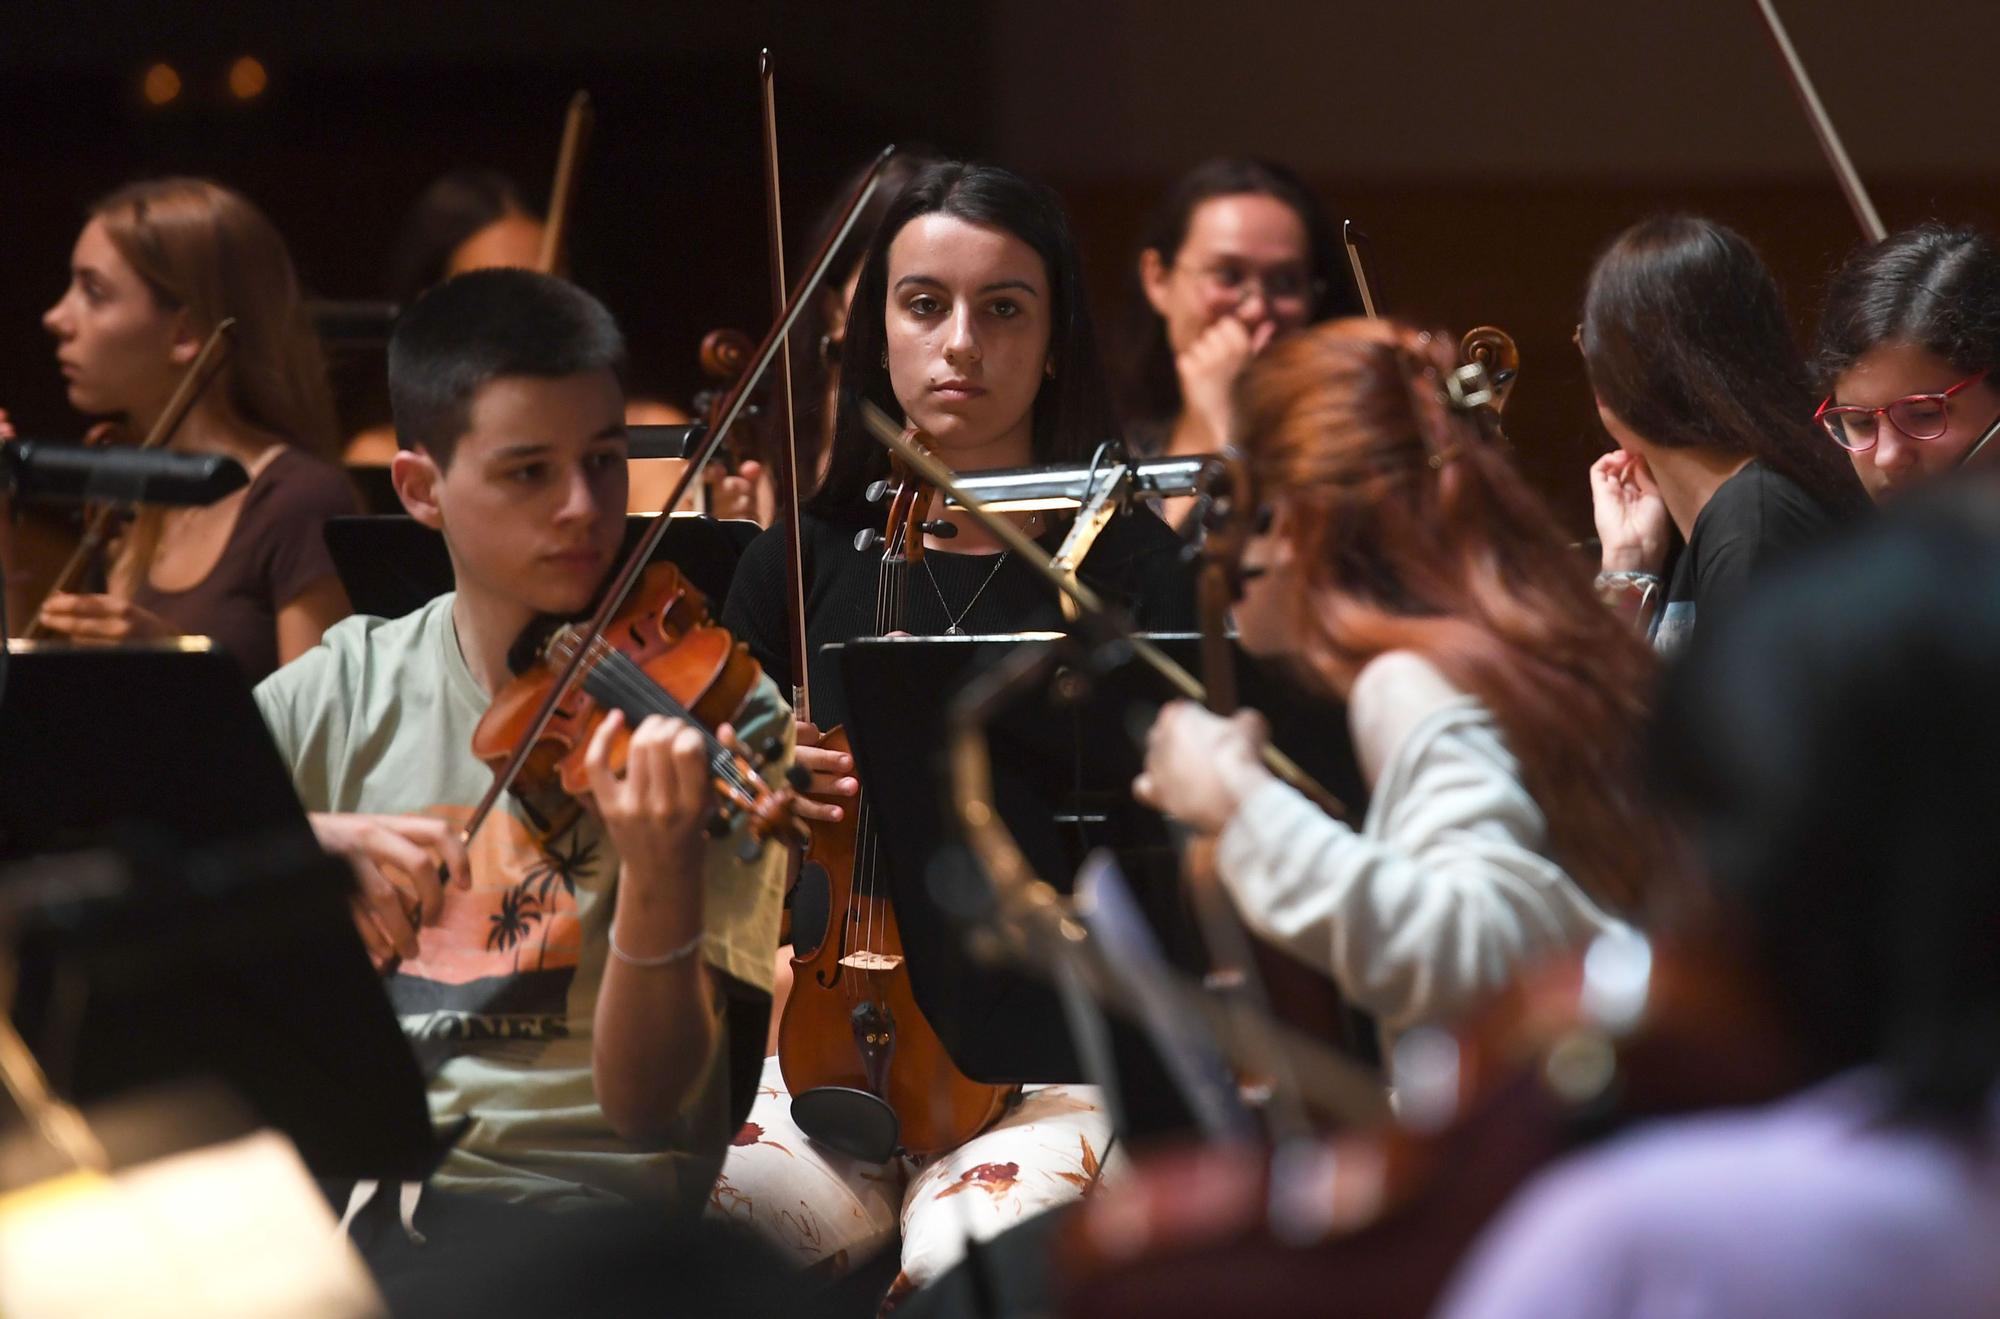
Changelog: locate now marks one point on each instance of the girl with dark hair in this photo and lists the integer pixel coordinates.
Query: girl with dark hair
(1830, 750)
(1699, 382)
(969, 323)
(467, 219)
(919, 359)
(821, 334)
(1495, 705)
(1237, 253)
(157, 266)
(1907, 342)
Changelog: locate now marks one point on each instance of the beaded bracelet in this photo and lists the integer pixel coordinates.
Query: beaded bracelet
(667, 958)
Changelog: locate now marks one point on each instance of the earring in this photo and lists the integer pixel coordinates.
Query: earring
(885, 357)
(1049, 368)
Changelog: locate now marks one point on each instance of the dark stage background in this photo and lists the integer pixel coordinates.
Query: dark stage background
(1489, 150)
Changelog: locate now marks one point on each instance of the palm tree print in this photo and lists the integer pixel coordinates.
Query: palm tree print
(517, 916)
(563, 859)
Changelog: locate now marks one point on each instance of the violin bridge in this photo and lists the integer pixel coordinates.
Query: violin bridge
(866, 961)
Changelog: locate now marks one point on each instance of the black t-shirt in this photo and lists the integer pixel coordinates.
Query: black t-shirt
(1135, 563)
(1754, 517)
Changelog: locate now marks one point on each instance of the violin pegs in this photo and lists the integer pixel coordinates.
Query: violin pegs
(876, 489)
(799, 777)
(717, 826)
(942, 529)
(770, 749)
(867, 539)
(749, 848)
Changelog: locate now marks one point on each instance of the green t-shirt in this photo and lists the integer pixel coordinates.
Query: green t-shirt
(378, 718)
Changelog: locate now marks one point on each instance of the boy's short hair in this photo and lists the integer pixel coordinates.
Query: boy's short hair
(483, 325)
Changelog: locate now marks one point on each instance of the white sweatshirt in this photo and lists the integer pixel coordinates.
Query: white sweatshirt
(1444, 893)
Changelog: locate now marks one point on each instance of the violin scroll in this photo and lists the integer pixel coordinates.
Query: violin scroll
(724, 354)
(1494, 349)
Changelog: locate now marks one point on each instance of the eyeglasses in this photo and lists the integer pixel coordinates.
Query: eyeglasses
(1918, 416)
(1232, 281)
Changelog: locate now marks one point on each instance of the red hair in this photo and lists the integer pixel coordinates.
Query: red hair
(1413, 532)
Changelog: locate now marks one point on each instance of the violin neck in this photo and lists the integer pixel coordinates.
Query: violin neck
(616, 683)
(892, 594)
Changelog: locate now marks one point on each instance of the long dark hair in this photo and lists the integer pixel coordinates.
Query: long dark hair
(451, 209)
(1685, 338)
(1073, 412)
(1936, 287)
(1149, 393)
(1832, 747)
(815, 355)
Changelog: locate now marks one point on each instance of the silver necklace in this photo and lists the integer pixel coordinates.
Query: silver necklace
(955, 630)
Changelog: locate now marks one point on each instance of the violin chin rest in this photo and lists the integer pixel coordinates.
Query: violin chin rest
(852, 1121)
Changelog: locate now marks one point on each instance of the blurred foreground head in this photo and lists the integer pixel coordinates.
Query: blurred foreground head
(1835, 750)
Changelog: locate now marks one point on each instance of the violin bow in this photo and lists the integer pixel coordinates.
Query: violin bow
(1041, 925)
(786, 475)
(1822, 125)
(562, 193)
(1092, 606)
(206, 366)
(1354, 240)
(642, 553)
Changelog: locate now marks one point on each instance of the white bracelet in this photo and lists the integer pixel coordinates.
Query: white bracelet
(667, 958)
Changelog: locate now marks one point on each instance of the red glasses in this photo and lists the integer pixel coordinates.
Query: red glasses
(1919, 416)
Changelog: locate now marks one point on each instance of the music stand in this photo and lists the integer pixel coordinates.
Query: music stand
(391, 565)
(209, 934)
(1062, 782)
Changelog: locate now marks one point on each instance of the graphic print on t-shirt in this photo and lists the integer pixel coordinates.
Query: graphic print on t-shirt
(499, 962)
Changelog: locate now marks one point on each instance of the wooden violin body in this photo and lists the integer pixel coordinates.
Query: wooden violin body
(660, 654)
(854, 1047)
(852, 1019)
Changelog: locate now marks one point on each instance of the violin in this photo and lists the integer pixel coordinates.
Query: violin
(1277, 982)
(661, 654)
(867, 1073)
(1372, 1221)
(89, 545)
(723, 355)
(654, 628)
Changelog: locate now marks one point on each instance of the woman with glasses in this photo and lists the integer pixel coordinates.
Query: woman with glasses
(1237, 253)
(1910, 333)
(1697, 379)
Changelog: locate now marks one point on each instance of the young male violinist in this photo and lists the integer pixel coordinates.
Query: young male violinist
(560, 989)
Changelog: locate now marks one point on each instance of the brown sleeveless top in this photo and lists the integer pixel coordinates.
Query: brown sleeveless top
(276, 551)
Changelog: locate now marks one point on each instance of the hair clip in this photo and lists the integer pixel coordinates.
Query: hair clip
(1469, 388)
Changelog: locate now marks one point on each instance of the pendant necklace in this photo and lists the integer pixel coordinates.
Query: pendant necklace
(955, 630)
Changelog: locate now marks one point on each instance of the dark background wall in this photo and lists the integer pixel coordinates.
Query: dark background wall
(1490, 150)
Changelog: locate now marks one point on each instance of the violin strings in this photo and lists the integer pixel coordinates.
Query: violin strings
(623, 678)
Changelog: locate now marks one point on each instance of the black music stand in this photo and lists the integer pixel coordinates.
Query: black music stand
(206, 934)
(391, 565)
(1062, 779)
